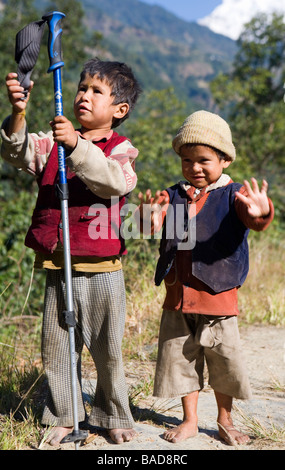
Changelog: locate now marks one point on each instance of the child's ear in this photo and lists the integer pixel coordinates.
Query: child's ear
(226, 163)
(122, 110)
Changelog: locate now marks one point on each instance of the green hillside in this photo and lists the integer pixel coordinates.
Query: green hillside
(163, 49)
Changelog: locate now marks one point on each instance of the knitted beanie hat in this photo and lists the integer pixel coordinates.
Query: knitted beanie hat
(203, 127)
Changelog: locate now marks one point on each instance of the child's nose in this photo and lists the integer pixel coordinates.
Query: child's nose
(196, 167)
(87, 94)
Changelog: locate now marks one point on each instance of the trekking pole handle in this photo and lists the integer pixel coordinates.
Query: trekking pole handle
(53, 20)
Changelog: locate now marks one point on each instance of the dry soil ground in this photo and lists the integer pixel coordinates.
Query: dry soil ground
(264, 352)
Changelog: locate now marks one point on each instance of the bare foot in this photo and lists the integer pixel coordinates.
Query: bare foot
(232, 436)
(227, 431)
(121, 435)
(185, 430)
(57, 434)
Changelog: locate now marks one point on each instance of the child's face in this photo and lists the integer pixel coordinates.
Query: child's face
(201, 165)
(93, 105)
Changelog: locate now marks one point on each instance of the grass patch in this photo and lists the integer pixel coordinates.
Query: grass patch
(19, 409)
(262, 297)
(264, 432)
(144, 303)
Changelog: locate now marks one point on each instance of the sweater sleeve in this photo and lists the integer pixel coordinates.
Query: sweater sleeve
(27, 152)
(104, 176)
(257, 224)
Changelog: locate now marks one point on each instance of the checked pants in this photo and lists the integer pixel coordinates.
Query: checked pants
(99, 305)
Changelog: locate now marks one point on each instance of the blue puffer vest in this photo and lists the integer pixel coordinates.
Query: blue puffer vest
(218, 239)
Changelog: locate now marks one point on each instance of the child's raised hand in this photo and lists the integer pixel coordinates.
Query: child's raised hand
(16, 93)
(256, 199)
(156, 203)
(152, 208)
(148, 199)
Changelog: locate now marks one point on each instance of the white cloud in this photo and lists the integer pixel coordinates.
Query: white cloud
(229, 17)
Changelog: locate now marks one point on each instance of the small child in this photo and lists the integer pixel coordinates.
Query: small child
(100, 166)
(203, 272)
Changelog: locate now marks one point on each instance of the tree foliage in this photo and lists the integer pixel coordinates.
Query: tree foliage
(251, 96)
(160, 115)
(18, 190)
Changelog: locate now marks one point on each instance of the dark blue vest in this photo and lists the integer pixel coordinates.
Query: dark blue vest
(218, 239)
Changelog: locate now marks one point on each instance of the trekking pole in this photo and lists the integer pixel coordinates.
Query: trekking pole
(53, 20)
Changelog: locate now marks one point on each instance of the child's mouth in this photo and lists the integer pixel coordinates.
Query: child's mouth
(83, 108)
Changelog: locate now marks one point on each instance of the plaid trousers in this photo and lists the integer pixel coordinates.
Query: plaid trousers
(99, 305)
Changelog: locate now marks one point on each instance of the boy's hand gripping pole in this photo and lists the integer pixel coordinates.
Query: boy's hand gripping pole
(53, 20)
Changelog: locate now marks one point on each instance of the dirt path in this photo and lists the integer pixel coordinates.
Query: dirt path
(264, 352)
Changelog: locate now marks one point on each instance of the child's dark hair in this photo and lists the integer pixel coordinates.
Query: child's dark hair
(124, 85)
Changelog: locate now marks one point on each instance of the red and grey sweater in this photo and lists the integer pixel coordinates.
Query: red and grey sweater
(100, 173)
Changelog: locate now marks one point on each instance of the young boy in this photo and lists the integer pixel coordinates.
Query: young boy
(202, 273)
(99, 167)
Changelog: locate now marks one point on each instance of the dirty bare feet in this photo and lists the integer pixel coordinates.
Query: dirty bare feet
(231, 435)
(227, 430)
(121, 435)
(184, 431)
(57, 434)
(189, 426)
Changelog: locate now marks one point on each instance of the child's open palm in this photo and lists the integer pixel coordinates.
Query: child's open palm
(151, 208)
(256, 199)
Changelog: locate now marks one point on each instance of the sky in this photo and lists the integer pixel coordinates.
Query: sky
(189, 10)
(225, 17)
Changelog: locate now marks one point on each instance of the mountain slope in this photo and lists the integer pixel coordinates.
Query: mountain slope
(163, 49)
(157, 20)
